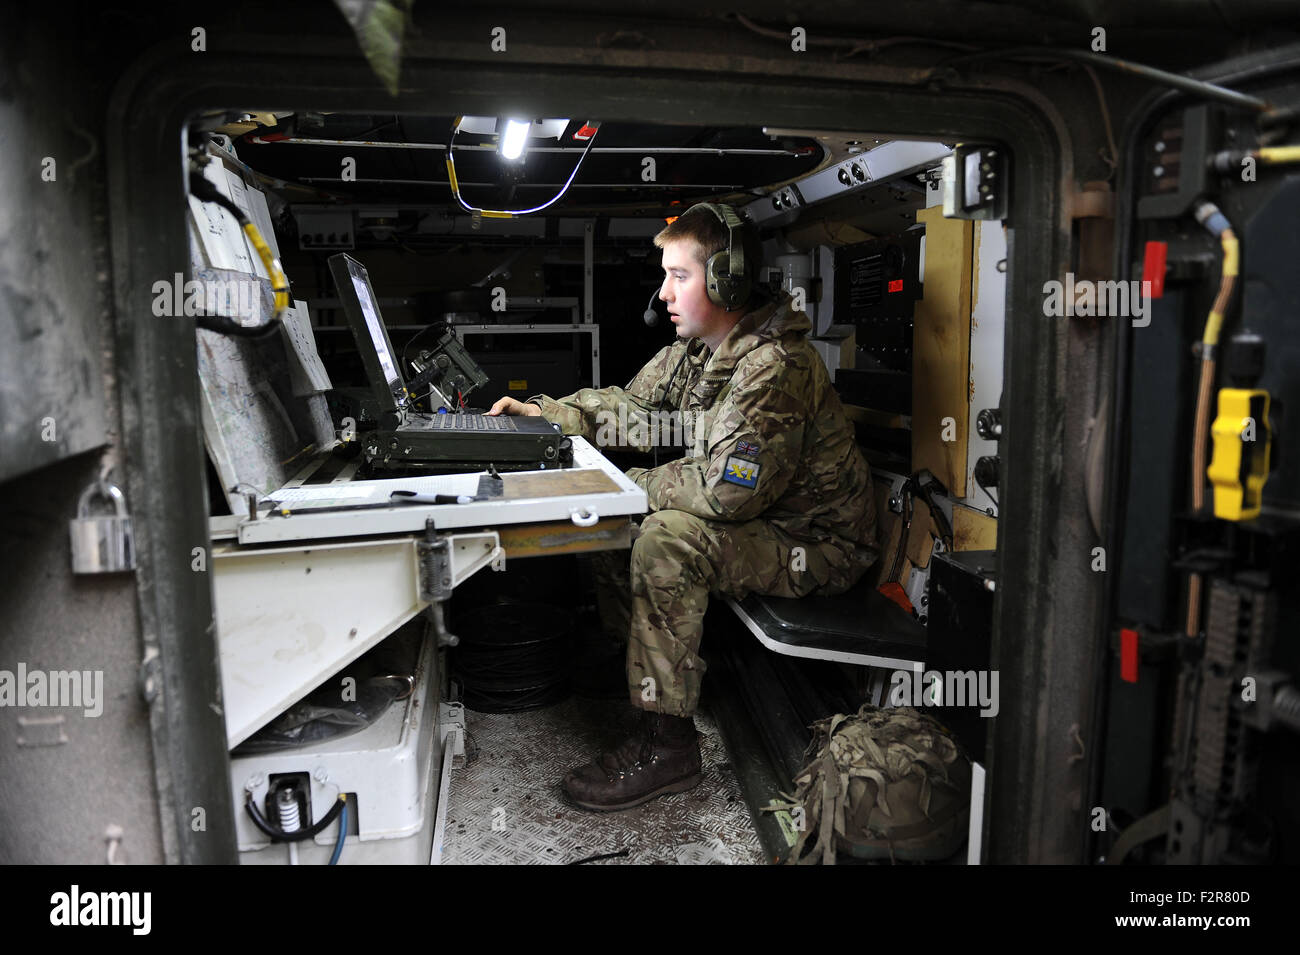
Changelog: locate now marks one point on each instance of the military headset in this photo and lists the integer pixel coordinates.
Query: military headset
(727, 279)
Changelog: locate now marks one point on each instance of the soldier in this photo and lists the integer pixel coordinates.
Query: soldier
(772, 497)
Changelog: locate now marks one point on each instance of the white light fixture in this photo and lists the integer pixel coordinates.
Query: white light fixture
(514, 138)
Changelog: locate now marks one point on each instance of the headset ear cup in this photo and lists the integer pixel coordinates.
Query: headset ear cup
(724, 288)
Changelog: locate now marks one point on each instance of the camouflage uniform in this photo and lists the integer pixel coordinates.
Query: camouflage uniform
(773, 466)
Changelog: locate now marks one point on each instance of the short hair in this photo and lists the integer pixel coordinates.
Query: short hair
(711, 235)
(699, 225)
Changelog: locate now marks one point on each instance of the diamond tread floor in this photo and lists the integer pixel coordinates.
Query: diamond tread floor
(506, 805)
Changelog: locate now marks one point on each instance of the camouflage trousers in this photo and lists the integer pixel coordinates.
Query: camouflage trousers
(657, 599)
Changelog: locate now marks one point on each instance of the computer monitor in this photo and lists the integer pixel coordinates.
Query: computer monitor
(353, 284)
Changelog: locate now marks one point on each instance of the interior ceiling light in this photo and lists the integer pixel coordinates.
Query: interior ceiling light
(514, 138)
(542, 129)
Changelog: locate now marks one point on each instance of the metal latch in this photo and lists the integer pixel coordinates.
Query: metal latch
(976, 181)
(104, 543)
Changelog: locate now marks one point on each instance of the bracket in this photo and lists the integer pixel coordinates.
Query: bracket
(451, 719)
(448, 560)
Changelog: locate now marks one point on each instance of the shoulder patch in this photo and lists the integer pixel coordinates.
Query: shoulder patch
(741, 471)
(746, 448)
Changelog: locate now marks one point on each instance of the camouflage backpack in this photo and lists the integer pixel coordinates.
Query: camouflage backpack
(885, 784)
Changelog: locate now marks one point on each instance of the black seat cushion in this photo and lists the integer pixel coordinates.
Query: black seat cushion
(861, 621)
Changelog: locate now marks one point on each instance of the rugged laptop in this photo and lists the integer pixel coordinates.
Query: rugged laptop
(410, 439)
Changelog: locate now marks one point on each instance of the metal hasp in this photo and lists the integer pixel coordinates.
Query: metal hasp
(446, 560)
(103, 543)
(976, 183)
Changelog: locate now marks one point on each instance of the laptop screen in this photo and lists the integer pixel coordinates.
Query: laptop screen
(368, 328)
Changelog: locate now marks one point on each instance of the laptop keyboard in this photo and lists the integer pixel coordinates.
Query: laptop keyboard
(470, 422)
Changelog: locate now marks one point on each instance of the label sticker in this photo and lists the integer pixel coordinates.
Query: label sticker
(741, 471)
(517, 384)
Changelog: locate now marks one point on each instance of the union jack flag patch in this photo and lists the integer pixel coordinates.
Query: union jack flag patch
(744, 447)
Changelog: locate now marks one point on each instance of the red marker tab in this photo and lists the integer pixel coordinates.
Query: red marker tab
(588, 130)
(896, 285)
(1153, 268)
(1128, 655)
(895, 592)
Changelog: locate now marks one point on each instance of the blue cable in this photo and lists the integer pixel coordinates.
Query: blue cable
(343, 832)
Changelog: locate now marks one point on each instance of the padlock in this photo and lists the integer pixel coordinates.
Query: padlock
(102, 544)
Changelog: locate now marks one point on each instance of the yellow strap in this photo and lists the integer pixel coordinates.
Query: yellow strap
(1280, 154)
(455, 188)
(1213, 324)
(1231, 252)
(279, 281)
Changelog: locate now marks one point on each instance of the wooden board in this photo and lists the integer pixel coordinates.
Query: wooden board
(973, 530)
(565, 537)
(557, 483)
(941, 350)
(920, 539)
(920, 542)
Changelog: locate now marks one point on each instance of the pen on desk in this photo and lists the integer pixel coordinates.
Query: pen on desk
(414, 497)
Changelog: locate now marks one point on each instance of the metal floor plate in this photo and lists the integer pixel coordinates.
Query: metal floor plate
(506, 805)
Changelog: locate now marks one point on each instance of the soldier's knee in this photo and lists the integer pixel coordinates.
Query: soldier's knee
(670, 544)
(674, 531)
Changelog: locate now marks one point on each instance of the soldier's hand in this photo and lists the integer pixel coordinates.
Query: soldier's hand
(511, 406)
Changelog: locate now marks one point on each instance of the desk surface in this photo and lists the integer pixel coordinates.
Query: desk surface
(342, 579)
(593, 489)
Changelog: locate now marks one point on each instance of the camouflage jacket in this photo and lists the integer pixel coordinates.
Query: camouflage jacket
(765, 432)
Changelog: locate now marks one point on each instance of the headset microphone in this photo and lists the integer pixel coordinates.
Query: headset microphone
(651, 316)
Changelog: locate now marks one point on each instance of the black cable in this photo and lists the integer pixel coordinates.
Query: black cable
(621, 854)
(513, 659)
(279, 835)
(515, 701)
(203, 190)
(406, 349)
(987, 491)
(908, 508)
(495, 665)
(854, 44)
(228, 326)
(1178, 81)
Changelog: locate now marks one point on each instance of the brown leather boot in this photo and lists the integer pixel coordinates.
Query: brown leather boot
(663, 756)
